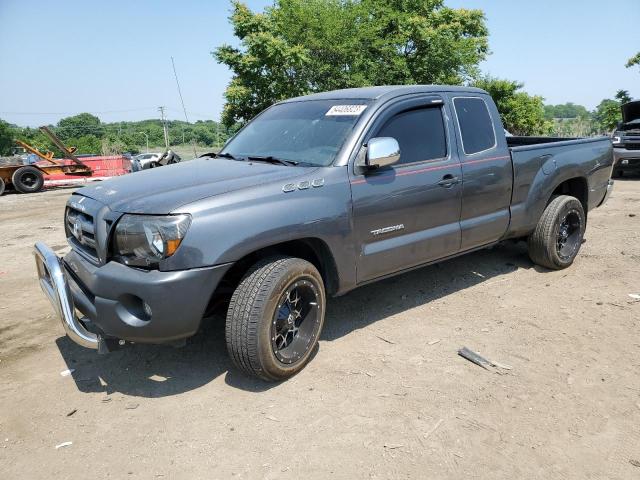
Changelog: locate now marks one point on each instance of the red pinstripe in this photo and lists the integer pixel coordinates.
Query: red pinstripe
(430, 169)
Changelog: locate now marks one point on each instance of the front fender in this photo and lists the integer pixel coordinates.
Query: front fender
(228, 227)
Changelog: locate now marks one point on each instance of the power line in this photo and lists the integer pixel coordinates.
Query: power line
(183, 108)
(76, 113)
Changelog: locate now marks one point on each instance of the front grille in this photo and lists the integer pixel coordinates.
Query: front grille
(81, 231)
(632, 146)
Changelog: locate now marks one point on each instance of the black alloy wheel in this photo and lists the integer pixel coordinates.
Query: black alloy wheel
(296, 322)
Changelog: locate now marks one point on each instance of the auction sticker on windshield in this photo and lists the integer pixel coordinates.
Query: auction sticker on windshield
(352, 110)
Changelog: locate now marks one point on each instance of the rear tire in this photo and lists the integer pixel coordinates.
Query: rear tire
(558, 236)
(27, 180)
(2, 187)
(275, 318)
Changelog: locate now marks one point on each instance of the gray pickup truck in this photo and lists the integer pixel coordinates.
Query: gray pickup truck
(316, 196)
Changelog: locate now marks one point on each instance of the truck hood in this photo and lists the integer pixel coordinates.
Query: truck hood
(631, 111)
(164, 190)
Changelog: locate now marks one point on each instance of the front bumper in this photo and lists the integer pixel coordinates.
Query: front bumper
(112, 298)
(53, 282)
(624, 159)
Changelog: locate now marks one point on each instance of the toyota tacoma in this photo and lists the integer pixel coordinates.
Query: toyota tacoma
(314, 197)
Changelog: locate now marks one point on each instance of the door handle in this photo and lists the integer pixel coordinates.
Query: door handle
(448, 181)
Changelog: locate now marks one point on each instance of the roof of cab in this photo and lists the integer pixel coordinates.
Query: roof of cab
(384, 92)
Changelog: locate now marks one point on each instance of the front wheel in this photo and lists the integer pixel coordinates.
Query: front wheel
(557, 238)
(275, 318)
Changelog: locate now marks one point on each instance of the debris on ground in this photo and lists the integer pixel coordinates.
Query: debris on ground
(433, 342)
(635, 296)
(132, 406)
(393, 446)
(72, 412)
(66, 373)
(479, 360)
(386, 340)
(64, 444)
(634, 462)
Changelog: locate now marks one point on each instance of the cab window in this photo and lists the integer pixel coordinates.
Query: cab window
(476, 126)
(420, 134)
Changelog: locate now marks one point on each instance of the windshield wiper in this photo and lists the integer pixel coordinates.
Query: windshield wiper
(227, 155)
(272, 159)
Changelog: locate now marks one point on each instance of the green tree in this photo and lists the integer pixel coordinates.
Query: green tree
(521, 113)
(608, 115)
(635, 60)
(567, 110)
(623, 96)
(6, 138)
(301, 46)
(85, 144)
(79, 126)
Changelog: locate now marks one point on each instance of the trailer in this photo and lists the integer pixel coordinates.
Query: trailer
(30, 178)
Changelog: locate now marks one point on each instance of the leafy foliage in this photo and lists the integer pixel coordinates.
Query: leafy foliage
(91, 136)
(6, 138)
(635, 60)
(608, 114)
(301, 46)
(79, 126)
(521, 113)
(567, 110)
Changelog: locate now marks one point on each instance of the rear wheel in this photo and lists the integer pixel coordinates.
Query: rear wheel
(557, 238)
(275, 318)
(27, 180)
(2, 186)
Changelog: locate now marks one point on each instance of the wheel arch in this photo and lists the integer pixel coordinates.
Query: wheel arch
(577, 187)
(314, 250)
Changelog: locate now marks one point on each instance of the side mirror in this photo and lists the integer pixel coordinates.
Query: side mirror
(381, 152)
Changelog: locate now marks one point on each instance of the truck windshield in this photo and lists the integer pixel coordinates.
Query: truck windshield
(308, 132)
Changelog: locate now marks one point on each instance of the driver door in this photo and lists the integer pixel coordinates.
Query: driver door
(408, 214)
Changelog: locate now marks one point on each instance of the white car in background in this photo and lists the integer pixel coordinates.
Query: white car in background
(144, 161)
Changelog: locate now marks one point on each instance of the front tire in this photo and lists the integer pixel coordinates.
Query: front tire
(275, 318)
(558, 235)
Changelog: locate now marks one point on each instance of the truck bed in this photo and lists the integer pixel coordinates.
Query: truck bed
(536, 159)
(514, 141)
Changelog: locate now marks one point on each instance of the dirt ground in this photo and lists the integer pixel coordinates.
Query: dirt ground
(386, 395)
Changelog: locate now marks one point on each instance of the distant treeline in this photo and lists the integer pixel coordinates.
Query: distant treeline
(89, 135)
(571, 120)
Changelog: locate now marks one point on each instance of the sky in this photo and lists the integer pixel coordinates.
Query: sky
(113, 59)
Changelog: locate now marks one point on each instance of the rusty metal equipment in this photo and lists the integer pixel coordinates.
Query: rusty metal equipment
(30, 178)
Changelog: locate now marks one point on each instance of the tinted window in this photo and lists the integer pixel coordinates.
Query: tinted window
(476, 126)
(420, 134)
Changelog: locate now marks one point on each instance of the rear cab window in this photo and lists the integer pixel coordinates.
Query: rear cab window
(475, 123)
(420, 133)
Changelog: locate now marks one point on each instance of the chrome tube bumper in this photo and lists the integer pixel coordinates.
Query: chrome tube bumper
(53, 282)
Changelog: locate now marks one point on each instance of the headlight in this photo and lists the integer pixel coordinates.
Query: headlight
(144, 240)
(615, 140)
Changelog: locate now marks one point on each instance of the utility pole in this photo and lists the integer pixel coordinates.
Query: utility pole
(164, 127)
